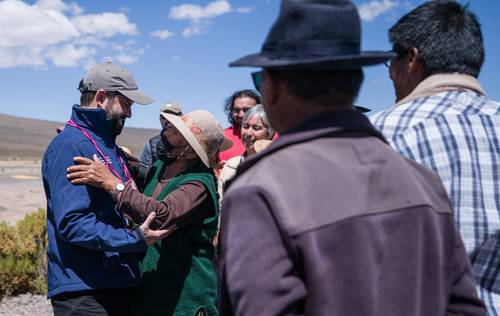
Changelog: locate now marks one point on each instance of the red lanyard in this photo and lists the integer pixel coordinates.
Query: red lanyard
(110, 167)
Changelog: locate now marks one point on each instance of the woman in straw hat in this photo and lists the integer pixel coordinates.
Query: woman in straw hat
(177, 273)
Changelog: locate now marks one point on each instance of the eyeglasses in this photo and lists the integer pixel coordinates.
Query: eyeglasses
(257, 79)
(397, 55)
(387, 63)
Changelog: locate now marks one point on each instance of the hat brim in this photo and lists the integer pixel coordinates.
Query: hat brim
(172, 112)
(188, 136)
(137, 96)
(361, 109)
(342, 62)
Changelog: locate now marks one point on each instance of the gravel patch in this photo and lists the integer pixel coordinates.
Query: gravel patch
(25, 305)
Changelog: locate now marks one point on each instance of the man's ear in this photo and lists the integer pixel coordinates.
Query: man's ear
(414, 62)
(100, 98)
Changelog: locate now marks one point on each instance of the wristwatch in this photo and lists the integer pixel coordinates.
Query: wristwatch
(118, 188)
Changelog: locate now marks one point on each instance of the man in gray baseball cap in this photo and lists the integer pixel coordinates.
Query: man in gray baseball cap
(112, 83)
(93, 263)
(112, 77)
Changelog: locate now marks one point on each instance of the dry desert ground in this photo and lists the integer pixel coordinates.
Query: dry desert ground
(21, 189)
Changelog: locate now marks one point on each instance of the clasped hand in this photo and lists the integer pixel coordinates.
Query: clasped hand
(95, 173)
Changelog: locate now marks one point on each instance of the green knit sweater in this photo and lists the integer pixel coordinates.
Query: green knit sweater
(177, 274)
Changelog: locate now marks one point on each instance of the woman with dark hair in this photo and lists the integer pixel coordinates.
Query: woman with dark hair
(235, 107)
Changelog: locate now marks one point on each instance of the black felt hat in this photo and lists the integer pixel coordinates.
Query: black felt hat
(314, 35)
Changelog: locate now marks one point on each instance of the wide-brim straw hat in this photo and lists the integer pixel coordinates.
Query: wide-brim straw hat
(203, 133)
(315, 35)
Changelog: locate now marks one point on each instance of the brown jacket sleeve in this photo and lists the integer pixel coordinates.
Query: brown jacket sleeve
(463, 298)
(186, 204)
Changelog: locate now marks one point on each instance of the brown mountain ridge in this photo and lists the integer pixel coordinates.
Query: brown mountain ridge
(26, 138)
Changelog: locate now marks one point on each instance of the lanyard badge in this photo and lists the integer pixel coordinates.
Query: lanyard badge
(101, 153)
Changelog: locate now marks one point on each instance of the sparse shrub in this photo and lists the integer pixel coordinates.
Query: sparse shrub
(23, 258)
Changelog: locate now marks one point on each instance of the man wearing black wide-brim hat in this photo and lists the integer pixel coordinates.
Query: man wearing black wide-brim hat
(329, 220)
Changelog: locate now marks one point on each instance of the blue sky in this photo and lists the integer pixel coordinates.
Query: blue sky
(176, 50)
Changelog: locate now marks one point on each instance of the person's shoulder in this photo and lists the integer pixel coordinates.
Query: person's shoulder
(64, 141)
(387, 119)
(484, 105)
(155, 138)
(275, 166)
(234, 162)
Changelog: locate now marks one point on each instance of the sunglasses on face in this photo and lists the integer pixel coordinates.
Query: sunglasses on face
(257, 79)
(398, 55)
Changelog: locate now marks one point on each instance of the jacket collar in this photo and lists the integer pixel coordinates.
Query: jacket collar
(95, 121)
(443, 82)
(329, 124)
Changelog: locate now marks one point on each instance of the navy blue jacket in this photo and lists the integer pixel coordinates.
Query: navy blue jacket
(89, 246)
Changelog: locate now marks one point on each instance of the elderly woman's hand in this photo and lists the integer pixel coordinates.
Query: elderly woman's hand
(92, 172)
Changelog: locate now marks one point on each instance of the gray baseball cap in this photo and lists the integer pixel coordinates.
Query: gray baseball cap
(112, 77)
(171, 107)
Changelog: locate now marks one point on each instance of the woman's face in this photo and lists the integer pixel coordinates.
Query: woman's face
(179, 145)
(253, 130)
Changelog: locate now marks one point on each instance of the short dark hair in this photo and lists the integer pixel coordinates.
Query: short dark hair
(326, 88)
(447, 35)
(86, 96)
(229, 103)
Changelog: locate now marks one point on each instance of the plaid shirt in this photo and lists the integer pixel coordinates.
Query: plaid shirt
(457, 134)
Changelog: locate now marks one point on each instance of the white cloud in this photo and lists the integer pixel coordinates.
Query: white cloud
(192, 30)
(117, 46)
(60, 5)
(162, 34)
(217, 8)
(25, 25)
(105, 24)
(32, 56)
(195, 12)
(126, 59)
(199, 16)
(89, 63)
(57, 5)
(58, 32)
(127, 56)
(371, 10)
(186, 12)
(75, 8)
(69, 55)
(245, 10)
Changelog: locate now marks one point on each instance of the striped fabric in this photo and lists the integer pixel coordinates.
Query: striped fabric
(456, 133)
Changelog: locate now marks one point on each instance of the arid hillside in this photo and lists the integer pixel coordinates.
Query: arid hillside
(26, 139)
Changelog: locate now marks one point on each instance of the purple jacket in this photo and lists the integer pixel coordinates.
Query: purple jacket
(329, 220)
